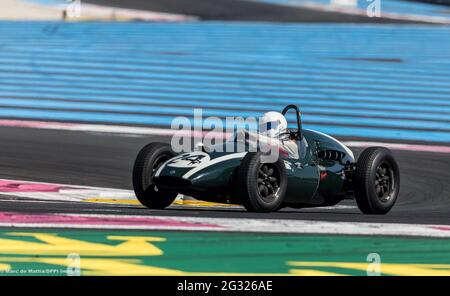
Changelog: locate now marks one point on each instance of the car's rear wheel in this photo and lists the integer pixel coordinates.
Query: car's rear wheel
(148, 161)
(377, 181)
(261, 186)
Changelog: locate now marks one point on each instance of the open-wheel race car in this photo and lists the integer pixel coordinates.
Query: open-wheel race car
(323, 172)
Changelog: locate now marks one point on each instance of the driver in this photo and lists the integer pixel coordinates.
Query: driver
(274, 125)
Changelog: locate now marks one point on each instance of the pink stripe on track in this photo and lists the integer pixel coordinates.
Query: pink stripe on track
(6, 217)
(443, 228)
(103, 128)
(23, 186)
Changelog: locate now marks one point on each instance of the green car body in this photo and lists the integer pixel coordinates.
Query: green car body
(317, 178)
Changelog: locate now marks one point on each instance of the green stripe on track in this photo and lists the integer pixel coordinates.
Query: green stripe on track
(37, 252)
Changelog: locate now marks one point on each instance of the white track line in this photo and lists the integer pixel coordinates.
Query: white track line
(24, 10)
(62, 192)
(100, 12)
(143, 131)
(76, 193)
(245, 225)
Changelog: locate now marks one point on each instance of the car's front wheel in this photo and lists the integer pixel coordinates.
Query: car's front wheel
(261, 186)
(377, 181)
(149, 159)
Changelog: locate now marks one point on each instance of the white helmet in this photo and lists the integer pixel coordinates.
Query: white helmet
(272, 124)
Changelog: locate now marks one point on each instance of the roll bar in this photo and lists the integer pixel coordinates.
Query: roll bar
(299, 134)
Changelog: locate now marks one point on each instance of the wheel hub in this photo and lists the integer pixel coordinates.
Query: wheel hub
(384, 180)
(268, 182)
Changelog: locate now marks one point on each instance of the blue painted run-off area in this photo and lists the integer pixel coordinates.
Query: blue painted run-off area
(377, 81)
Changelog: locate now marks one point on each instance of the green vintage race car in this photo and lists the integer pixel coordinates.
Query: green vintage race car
(324, 173)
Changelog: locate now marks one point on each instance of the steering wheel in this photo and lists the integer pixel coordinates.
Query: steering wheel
(292, 134)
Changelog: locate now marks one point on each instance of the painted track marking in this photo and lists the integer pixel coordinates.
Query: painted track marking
(94, 221)
(71, 193)
(51, 192)
(142, 131)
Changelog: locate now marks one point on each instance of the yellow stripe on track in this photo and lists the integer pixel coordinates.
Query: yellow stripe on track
(192, 203)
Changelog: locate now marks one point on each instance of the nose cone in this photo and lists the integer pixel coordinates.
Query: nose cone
(182, 164)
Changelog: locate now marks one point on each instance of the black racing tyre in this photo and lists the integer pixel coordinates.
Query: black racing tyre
(149, 159)
(261, 186)
(377, 181)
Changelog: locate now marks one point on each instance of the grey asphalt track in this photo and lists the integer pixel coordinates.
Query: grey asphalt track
(106, 160)
(243, 10)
